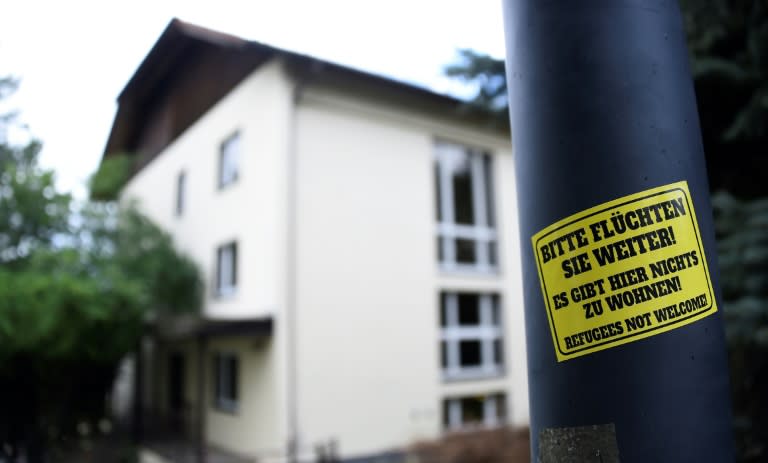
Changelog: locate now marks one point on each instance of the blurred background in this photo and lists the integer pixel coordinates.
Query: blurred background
(287, 231)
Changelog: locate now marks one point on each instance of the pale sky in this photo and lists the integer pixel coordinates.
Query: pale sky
(74, 57)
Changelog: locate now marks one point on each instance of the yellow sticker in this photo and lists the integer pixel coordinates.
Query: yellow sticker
(622, 271)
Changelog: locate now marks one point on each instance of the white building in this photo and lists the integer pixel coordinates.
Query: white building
(359, 240)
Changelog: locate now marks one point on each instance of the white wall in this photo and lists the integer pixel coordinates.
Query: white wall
(252, 428)
(249, 211)
(367, 274)
(368, 277)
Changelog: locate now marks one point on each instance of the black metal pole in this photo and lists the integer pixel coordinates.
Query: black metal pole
(626, 351)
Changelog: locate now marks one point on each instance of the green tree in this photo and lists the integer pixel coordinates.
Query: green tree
(77, 282)
(32, 212)
(741, 226)
(728, 40)
(487, 75)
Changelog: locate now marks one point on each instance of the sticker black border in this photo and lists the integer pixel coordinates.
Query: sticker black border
(694, 223)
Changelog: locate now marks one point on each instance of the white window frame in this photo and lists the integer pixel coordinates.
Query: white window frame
(482, 233)
(222, 363)
(226, 269)
(229, 160)
(486, 332)
(493, 414)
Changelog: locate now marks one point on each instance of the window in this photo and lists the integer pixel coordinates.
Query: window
(474, 412)
(466, 235)
(225, 377)
(470, 336)
(226, 269)
(181, 181)
(229, 160)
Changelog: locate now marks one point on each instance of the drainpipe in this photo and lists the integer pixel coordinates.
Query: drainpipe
(302, 79)
(626, 352)
(292, 446)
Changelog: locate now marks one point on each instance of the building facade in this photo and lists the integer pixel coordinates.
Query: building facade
(358, 238)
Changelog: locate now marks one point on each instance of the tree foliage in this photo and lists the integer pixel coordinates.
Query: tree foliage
(742, 237)
(112, 174)
(728, 41)
(487, 74)
(32, 212)
(77, 283)
(729, 47)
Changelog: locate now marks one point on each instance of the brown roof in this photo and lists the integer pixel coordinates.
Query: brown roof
(182, 42)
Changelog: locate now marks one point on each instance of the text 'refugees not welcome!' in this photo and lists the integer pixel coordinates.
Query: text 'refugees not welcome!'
(623, 271)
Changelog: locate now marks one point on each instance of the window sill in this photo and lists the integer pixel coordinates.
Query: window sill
(225, 294)
(474, 427)
(221, 186)
(457, 270)
(229, 408)
(473, 376)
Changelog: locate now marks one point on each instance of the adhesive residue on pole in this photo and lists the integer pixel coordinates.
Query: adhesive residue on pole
(624, 270)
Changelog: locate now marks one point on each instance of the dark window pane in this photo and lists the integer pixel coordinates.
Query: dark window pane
(226, 267)
(469, 353)
(492, 260)
(439, 242)
(461, 176)
(469, 316)
(216, 376)
(472, 410)
(176, 382)
(229, 153)
(469, 309)
(438, 198)
(465, 251)
(496, 311)
(446, 419)
(501, 407)
(443, 309)
(498, 352)
(232, 379)
(488, 177)
(444, 354)
(227, 379)
(181, 179)
(218, 269)
(234, 264)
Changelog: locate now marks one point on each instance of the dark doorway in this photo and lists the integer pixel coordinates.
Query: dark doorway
(176, 369)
